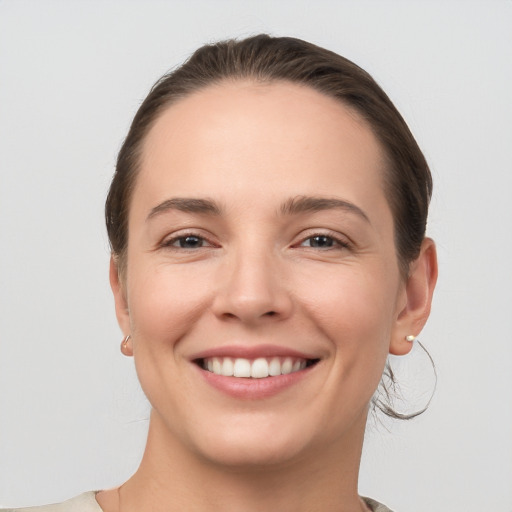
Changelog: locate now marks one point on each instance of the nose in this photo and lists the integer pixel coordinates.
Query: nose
(252, 289)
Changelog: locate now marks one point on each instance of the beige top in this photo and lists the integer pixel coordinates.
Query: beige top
(87, 503)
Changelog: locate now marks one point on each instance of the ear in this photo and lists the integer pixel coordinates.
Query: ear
(417, 298)
(118, 289)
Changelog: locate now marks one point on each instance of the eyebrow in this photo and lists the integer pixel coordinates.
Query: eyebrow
(293, 206)
(304, 204)
(187, 205)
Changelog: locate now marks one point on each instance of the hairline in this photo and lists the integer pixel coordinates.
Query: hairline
(251, 78)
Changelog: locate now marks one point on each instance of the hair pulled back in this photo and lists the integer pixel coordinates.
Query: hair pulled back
(266, 59)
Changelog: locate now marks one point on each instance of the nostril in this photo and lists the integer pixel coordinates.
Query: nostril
(270, 313)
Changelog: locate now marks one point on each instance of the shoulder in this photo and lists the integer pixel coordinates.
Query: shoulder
(85, 502)
(375, 506)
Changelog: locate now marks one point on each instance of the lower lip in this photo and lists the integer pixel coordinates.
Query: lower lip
(253, 389)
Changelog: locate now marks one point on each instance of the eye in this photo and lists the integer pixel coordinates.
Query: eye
(187, 242)
(322, 241)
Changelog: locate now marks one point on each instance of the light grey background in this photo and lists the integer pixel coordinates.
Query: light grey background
(72, 74)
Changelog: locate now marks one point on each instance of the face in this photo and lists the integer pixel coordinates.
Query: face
(260, 242)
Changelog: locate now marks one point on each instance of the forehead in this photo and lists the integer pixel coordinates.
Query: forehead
(273, 136)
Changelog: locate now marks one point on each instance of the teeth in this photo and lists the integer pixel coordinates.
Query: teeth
(242, 368)
(216, 365)
(257, 368)
(227, 367)
(274, 368)
(287, 366)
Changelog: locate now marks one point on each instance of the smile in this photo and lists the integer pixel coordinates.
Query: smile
(254, 368)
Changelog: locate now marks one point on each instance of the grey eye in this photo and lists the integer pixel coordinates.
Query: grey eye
(319, 241)
(189, 242)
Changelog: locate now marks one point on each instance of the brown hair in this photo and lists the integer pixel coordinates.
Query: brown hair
(262, 58)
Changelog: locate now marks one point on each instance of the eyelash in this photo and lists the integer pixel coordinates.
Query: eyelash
(338, 243)
(169, 244)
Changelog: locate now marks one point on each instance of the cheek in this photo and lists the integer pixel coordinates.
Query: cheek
(355, 310)
(356, 298)
(164, 305)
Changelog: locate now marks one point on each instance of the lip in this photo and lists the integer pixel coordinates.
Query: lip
(253, 389)
(252, 352)
(248, 388)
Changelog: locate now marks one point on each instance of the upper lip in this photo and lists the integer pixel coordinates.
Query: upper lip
(252, 352)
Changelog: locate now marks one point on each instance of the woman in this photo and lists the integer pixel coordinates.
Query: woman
(267, 223)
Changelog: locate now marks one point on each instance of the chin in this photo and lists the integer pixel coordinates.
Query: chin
(240, 457)
(259, 446)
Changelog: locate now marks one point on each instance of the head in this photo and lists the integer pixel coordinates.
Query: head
(269, 202)
(263, 60)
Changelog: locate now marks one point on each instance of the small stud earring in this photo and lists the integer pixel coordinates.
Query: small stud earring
(410, 338)
(124, 346)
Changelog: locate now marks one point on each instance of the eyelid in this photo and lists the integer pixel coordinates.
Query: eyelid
(169, 239)
(342, 241)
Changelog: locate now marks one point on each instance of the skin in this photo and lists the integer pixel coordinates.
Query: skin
(256, 277)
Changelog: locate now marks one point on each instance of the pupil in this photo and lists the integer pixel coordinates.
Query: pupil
(321, 241)
(190, 242)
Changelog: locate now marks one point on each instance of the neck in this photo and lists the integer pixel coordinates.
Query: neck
(172, 478)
